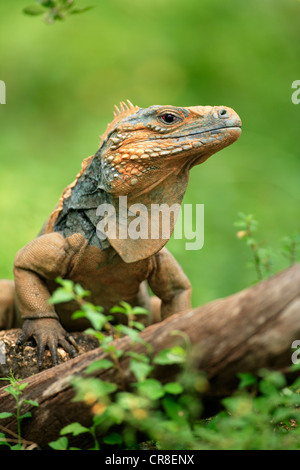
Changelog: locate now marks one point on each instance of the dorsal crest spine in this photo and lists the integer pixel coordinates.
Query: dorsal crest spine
(124, 110)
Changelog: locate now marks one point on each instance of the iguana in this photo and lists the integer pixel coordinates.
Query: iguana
(145, 154)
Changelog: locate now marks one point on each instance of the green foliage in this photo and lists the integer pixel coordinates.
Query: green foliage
(263, 413)
(266, 417)
(262, 254)
(175, 355)
(15, 389)
(291, 247)
(54, 10)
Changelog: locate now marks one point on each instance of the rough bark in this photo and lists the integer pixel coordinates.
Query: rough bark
(247, 331)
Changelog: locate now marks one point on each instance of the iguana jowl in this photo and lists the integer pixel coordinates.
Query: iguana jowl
(146, 155)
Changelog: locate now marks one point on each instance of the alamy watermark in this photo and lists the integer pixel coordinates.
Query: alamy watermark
(296, 95)
(296, 354)
(2, 92)
(155, 222)
(2, 352)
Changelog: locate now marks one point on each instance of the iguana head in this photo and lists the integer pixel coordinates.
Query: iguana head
(143, 146)
(144, 154)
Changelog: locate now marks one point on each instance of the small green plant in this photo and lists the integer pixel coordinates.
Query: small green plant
(291, 247)
(262, 254)
(102, 327)
(136, 404)
(15, 441)
(263, 413)
(54, 10)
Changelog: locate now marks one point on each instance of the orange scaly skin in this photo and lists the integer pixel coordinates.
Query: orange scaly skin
(145, 155)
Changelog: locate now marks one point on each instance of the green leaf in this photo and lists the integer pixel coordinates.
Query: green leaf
(138, 356)
(107, 340)
(3, 441)
(118, 309)
(26, 415)
(15, 393)
(295, 367)
(131, 401)
(174, 410)
(281, 414)
(151, 388)
(60, 444)
(126, 305)
(33, 10)
(175, 355)
(246, 379)
(100, 364)
(67, 4)
(17, 447)
(75, 429)
(133, 334)
(65, 283)
(22, 386)
(174, 388)
(97, 319)
(113, 439)
(90, 331)
(60, 296)
(267, 388)
(136, 324)
(140, 369)
(271, 379)
(105, 388)
(239, 405)
(47, 3)
(99, 388)
(5, 414)
(76, 11)
(31, 402)
(80, 291)
(140, 311)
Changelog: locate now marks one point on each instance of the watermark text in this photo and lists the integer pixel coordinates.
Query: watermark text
(139, 221)
(2, 92)
(296, 354)
(296, 94)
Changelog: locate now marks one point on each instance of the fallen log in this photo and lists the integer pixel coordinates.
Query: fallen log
(252, 329)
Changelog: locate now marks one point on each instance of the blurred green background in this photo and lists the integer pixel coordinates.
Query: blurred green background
(64, 79)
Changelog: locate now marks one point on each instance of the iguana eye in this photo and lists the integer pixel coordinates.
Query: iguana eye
(169, 118)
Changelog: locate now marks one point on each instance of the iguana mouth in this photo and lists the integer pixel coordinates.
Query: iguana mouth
(213, 131)
(208, 131)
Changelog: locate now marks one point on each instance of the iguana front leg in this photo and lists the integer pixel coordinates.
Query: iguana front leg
(168, 281)
(46, 257)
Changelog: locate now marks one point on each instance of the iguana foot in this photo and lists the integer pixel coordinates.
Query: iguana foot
(47, 332)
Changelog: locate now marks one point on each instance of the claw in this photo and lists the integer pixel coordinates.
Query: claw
(72, 341)
(40, 354)
(47, 333)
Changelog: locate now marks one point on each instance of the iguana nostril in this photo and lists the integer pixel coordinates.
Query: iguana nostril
(223, 113)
